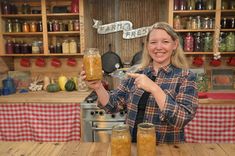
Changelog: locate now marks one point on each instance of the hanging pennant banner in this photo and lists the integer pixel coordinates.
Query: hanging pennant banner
(125, 26)
(135, 33)
(112, 27)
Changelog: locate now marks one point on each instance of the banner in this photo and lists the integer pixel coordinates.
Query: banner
(124, 26)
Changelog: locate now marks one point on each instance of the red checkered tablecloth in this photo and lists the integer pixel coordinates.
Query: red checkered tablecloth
(212, 124)
(40, 122)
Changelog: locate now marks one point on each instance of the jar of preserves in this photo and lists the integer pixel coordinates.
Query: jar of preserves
(65, 47)
(25, 27)
(35, 47)
(17, 26)
(9, 47)
(92, 64)
(191, 5)
(58, 48)
(188, 42)
(52, 49)
(56, 26)
(17, 48)
(25, 8)
(70, 25)
(49, 26)
(224, 5)
(230, 40)
(9, 26)
(199, 5)
(210, 5)
(33, 27)
(73, 47)
(198, 44)
(39, 26)
(194, 23)
(208, 42)
(176, 4)
(222, 42)
(121, 140)
(177, 22)
(223, 23)
(198, 19)
(146, 140)
(76, 26)
(6, 7)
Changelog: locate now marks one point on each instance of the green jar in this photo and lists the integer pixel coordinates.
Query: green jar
(230, 42)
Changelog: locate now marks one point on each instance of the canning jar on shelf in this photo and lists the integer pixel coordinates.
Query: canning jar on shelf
(121, 140)
(92, 64)
(146, 140)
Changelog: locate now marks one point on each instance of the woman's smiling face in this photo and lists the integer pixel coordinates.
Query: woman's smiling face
(160, 47)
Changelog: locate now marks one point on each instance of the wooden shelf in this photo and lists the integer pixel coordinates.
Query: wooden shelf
(64, 33)
(20, 34)
(23, 16)
(43, 55)
(195, 30)
(194, 12)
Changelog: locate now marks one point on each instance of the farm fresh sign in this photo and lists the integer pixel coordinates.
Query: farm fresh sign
(124, 26)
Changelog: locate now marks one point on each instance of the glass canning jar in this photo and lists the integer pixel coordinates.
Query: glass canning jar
(121, 140)
(146, 140)
(92, 64)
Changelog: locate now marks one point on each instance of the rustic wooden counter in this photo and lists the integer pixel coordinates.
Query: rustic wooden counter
(46, 97)
(104, 149)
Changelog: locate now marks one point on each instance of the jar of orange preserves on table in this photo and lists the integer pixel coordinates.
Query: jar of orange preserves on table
(146, 140)
(121, 140)
(92, 64)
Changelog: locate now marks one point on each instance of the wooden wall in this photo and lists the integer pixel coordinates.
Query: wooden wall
(140, 13)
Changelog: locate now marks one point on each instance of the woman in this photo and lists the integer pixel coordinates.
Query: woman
(162, 91)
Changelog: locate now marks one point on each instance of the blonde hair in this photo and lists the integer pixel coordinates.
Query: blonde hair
(178, 58)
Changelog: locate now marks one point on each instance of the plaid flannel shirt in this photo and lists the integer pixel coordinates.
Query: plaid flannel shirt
(180, 104)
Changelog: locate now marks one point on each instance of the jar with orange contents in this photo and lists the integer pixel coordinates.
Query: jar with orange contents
(33, 27)
(121, 140)
(146, 140)
(92, 64)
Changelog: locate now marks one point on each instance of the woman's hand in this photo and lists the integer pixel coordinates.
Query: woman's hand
(142, 81)
(96, 84)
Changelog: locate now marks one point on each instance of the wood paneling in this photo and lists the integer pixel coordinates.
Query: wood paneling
(140, 13)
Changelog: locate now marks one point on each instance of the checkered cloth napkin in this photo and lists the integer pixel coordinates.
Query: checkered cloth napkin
(212, 124)
(40, 122)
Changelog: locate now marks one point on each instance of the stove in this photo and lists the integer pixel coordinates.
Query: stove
(97, 124)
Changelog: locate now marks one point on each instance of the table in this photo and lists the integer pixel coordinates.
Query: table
(104, 149)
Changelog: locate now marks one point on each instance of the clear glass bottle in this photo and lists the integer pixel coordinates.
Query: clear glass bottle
(146, 140)
(210, 4)
(92, 64)
(70, 25)
(121, 140)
